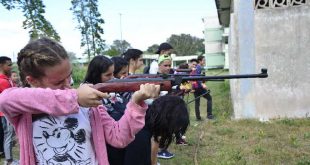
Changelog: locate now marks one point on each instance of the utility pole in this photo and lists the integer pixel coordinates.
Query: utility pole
(120, 25)
(121, 31)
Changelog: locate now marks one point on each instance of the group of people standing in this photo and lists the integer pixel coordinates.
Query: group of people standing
(199, 88)
(56, 124)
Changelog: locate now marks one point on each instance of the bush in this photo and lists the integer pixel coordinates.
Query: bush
(78, 74)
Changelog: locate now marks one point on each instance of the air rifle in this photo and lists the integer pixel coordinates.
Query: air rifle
(131, 85)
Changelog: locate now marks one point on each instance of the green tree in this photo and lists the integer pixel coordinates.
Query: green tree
(118, 47)
(152, 49)
(35, 22)
(185, 44)
(121, 45)
(89, 23)
(112, 52)
(72, 56)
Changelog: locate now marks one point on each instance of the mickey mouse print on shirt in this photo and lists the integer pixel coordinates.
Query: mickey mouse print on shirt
(63, 140)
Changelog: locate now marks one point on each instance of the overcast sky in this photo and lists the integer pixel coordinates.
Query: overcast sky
(141, 22)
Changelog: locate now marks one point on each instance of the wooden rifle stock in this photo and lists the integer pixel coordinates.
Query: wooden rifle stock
(123, 85)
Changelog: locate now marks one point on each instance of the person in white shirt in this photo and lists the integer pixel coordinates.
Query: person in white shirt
(164, 49)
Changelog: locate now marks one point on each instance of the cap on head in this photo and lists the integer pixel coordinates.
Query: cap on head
(163, 58)
(163, 46)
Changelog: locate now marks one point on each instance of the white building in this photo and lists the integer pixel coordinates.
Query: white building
(215, 43)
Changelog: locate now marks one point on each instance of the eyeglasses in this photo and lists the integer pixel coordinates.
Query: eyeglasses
(167, 65)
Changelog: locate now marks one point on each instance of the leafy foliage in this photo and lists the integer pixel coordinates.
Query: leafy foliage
(121, 45)
(152, 49)
(118, 47)
(72, 56)
(89, 23)
(112, 52)
(78, 74)
(35, 21)
(185, 44)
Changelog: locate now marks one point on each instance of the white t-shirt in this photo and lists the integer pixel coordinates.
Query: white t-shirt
(153, 67)
(64, 139)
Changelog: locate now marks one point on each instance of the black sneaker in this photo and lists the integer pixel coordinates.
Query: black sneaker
(210, 117)
(181, 142)
(164, 154)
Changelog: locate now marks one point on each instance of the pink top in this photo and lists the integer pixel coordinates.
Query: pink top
(5, 83)
(18, 105)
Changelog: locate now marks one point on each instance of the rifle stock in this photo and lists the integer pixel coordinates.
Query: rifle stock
(119, 85)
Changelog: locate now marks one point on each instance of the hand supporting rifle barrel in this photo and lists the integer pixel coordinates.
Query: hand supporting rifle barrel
(131, 85)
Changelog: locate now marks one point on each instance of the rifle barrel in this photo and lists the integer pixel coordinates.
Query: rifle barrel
(158, 75)
(263, 74)
(208, 78)
(130, 85)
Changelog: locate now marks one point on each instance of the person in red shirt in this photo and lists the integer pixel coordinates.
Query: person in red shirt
(4, 83)
(8, 131)
(5, 72)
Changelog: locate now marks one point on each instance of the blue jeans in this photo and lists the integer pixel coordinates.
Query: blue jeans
(8, 130)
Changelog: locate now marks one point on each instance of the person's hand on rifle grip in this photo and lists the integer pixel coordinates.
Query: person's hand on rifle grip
(146, 91)
(90, 97)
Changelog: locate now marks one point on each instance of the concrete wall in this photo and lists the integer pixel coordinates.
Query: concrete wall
(278, 39)
(242, 61)
(283, 45)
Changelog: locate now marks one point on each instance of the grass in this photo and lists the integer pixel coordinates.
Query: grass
(238, 142)
(244, 142)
